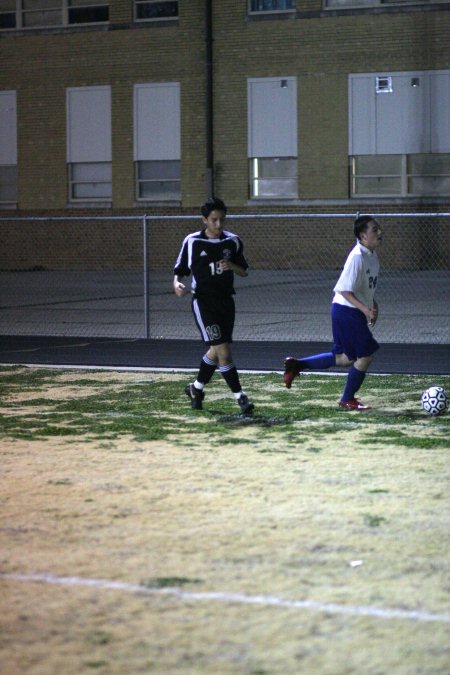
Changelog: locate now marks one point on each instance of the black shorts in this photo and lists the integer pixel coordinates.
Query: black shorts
(214, 319)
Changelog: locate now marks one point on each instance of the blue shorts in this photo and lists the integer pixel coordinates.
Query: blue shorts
(351, 334)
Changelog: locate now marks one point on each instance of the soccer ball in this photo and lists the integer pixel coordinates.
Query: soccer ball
(435, 400)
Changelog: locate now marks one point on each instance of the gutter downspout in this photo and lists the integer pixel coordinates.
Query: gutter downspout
(209, 100)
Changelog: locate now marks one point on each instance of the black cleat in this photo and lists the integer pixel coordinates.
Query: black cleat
(196, 396)
(245, 404)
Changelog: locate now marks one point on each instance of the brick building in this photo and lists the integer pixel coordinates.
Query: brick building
(151, 105)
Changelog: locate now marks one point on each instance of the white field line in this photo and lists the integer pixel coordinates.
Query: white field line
(131, 369)
(231, 598)
(153, 369)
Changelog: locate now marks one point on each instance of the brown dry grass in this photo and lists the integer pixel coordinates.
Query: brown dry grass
(248, 517)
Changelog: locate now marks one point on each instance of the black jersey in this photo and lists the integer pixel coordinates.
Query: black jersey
(200, 255)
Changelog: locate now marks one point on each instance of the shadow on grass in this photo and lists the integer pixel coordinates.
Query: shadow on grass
(249, 420)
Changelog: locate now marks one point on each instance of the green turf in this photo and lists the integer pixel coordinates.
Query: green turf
(151, 409)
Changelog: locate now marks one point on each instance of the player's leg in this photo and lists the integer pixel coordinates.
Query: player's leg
(207, 368)
(205, 323)
(218, 356)
(225, 357)
(227, 368)
(321, 361)
(358, 346)
(292, 366)
(355, 378)
(216, 327)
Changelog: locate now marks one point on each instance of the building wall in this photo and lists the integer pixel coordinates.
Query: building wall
(318, 48)
(41, 66)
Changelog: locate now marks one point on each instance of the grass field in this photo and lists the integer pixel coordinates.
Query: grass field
(140, 536)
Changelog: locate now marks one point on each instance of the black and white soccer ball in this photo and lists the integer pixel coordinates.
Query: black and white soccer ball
(435, 400)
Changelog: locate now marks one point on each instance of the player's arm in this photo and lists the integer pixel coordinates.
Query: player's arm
(178, 286)
(239, 264)
(227, 266)
(181, 270)
(370, 312)
(373, 320)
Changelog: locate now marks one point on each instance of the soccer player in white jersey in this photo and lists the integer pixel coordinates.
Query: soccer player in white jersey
(213, 255)
(353, 311)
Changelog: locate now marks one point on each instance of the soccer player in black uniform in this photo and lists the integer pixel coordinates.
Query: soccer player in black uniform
(213, 256)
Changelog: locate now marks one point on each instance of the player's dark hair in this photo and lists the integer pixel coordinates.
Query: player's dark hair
(212, 204)
(360, 225)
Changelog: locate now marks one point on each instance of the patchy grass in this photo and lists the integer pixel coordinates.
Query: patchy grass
(153, 408)
(113, 476)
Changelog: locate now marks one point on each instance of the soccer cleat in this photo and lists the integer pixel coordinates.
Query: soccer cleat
(353, 404)
(292, 367)
(196, 396)
(245, 404)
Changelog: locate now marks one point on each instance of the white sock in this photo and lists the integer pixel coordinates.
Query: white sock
(199, 385)
(237, 395)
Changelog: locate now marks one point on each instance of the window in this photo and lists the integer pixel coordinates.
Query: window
(89, 143)
(7, 14)
(264, 6)
(8, 147)
(147, 10)
(90, 180)
(272, 137)
(399, 136)
(87, 11)
(343, 4)
(46, 13)
(428, 174)
(158, 180)
(274, 177)
(41, 13)
(157, 145)
(400, 175)
(8, 184)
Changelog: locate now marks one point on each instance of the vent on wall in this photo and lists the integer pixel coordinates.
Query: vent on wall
(384, 84)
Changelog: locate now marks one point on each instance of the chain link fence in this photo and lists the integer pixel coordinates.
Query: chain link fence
(105, 276)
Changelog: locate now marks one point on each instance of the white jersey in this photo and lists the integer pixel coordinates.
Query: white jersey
(360, 276)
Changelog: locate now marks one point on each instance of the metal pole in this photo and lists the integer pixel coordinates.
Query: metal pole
(209, 101)
(146, 280)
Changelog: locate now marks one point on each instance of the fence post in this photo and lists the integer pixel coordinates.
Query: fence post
(146, 280)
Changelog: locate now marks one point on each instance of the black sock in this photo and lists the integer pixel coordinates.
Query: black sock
(206, 370)
(231, 377)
